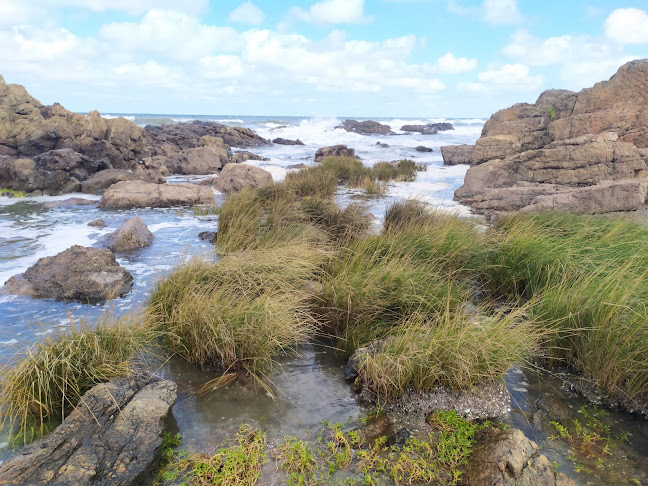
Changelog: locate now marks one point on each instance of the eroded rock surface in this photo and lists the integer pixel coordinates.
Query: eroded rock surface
(99, 182)
(78, 273)
(137, 194)
(235, 177)
(131, 235)
(113, 437)
(457, 154)
(583, 152)
(285, 141)
(508, 458)
(368, 127)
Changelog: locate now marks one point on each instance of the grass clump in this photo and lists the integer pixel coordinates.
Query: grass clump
(236, 464)
(315, 181)
(45, 381)
(341, 225)
(456, 350)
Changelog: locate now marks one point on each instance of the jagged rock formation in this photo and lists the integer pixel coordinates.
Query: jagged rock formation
(584, 152)
(368, 127)
(429, 129)
(334, 151)
(78, 273)
(113, 437)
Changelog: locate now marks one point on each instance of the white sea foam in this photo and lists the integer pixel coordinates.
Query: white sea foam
(229, 120)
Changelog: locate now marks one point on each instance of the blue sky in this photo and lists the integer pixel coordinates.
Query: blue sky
(363, 58)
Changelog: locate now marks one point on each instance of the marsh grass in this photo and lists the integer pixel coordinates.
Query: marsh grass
(314, 181)
(45, 381)
(456, 349)
(342, 225)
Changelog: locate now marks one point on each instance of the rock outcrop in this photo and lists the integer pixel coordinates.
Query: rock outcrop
(422, 148)
(131, 235)
(113, 437)
(285, 141)
(429, 129)
(508, 458)
(235, 177)
(78, 273)
(334, 151)
(583, 152)
(99, 182)
(244, 156)
(193, 161)
(457, 154)
(138, 194)
(368, 127)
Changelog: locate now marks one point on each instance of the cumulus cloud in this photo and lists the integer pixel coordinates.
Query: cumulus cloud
(247, 13)
(450, 64)
(507, 77)
(501, 12)
(333, 12)
(627, 26)
(135, 7)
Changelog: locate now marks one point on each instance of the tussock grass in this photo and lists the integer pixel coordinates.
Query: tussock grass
(315, 181)
(342, 225)
(365, 292)
(45, 381)
(385, 172)
(586, 278)
(455, 349)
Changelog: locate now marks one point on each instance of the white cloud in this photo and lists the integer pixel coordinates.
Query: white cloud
(501, 12)
(450, 64)
(536, 52)
(135, 7)
(14, 13)
(247, 13)
(333, 12)
(508, 77)
(627, 26)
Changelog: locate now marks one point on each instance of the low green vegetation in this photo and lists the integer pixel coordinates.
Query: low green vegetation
(43, 382)
(236, 464)
(13, 192)
(552, 112)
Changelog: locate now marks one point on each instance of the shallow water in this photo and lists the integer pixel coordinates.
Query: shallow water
(309, 388)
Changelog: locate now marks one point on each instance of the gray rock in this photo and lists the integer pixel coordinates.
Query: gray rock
(99, 182)
(78, 273)
(210, 236)
(137, 194)
(284, 141)
(207, 159)
(113, 437)
(508, 458)
(421, 148)
(457, 154)
(235, 177)
(368, 127)
(244, 156)
(73, 201)
(98, 223)
(382, 145)
(131, 235)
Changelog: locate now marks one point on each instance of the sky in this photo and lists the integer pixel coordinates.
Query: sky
(362, 58)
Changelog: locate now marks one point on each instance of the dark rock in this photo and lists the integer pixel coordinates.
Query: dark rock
(457, 154)
(382, 145)
(77, 165)
(334, 151)
(285, 141)
(441, 126)
(78, 273)
(210, 236)
(113, 437)
(7, 194)
(138, 194)
(508, 458)
(422, 129)
(421, 148)
(235, 177)
(368, 127)
(23, 175)
(73, 201)
(240, 157)
(98, 223)
(399, 439)
(352, 368)
(131, 235)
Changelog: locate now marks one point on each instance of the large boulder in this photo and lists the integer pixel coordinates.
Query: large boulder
(193, 161)
(23, 175)
(368, 127)
(457, 154)
(508, 458)
(138, 194)
(113, 437)
(532, 156)
(235, 177)
(131, 235)
(285, 141)
(78, 273)
(99, 182)
(334, 151)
